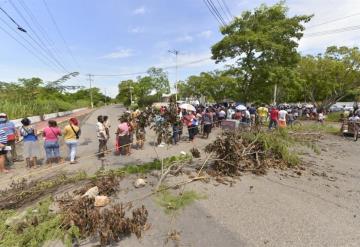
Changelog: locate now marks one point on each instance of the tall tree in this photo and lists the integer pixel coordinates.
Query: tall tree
(159, 80)
(330, 77)
(262, 43)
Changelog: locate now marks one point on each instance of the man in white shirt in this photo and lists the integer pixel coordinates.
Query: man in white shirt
(282, 117)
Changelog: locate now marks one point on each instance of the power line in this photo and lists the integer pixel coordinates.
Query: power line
(224, 12)
(18, 26)
(227, 8)
(212, 12)
(333, 20)
(60, 33)
(42, 31)
(332, 31)
(40, 43)
(26, 48)
(212, 5)
(145, 72)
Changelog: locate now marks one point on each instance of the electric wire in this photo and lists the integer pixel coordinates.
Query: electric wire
(332, 31)
(227, 8)
(145, 72)
(212, 12)
(333, 20)
(60, 33)
(223, 11)
(212, 5)
(27, 48)
(40, 28)
(39, 41)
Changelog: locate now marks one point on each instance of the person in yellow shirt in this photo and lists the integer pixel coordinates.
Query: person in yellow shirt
(71, 135)
(263, 114)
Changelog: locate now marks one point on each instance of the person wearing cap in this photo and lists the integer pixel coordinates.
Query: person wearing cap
(11, 134)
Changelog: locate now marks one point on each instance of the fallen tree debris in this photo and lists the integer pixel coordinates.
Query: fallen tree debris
(256, 152)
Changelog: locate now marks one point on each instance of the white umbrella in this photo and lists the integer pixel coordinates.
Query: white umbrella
(187, 107)
(241, 108)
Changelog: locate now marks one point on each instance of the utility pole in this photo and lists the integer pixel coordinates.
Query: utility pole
(275, 93)
(176, 53)
(130, 90)
(91, 95)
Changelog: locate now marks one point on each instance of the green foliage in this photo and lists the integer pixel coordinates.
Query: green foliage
(173, 203)
(38, 226)
(334, 117)
(330, 77)
(32, 96)
(263, 43)
(316, 127)
(156, 80)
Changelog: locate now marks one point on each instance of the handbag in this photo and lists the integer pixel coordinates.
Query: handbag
(77, 133)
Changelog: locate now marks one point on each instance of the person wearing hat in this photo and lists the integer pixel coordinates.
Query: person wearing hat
(11, 134)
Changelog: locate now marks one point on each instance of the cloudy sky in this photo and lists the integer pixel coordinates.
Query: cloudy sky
(107, 37)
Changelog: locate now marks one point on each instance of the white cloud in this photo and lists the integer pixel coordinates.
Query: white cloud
(121, 53)
(140, 11)
(324, 11)
(205, 34)
(137, 30)
(185, 38)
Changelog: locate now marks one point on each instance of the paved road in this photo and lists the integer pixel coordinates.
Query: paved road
(319, 208)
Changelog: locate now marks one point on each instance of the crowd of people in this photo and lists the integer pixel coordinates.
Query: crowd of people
(51, 134)
(131, 130)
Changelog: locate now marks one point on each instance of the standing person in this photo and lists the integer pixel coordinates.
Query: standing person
(263, 114)
(122, 134)
(321, 117)
(101, 135)
(207, 121)
(252, 111)
(31, 148)
(51, 143)
(71, 135)
(3, 141)
(107, 130)
(189, 122)
(274, 117)
(11, 133)
(282, 118)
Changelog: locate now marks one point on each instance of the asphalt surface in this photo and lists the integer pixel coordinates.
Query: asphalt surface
(321, 207)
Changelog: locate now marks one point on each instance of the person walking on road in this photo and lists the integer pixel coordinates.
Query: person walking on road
(3, 141)
(102, 136)
(31, 145)
(11, 133)
(51, 144)
(71, 135)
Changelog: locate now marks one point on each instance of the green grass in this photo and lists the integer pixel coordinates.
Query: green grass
(172, 203)
(316, 127)
(39, 225)
(334, 117)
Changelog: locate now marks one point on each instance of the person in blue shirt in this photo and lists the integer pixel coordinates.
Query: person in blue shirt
(31, 147)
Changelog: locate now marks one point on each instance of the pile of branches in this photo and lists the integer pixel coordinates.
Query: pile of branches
(110, 224)
(256, 152)
(107, 185)
(24, 191)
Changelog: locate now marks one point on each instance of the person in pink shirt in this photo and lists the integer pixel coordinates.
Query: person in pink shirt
(123, 136)
(51, 144)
